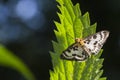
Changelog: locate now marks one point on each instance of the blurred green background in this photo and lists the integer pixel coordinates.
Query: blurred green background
(26, 29)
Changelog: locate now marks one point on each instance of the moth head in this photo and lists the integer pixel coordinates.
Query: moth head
(81, 41)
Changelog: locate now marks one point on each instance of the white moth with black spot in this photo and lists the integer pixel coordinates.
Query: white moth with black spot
(83, 48)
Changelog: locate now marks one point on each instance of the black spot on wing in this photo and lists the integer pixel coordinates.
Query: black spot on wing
(75, 48)
(105, 33)
(68, 50)
(88, 41)
(89, 50)
(84, 41)
(72, 47)
(100, 45)
(73, 54)
(94, 36)
(94, 47)
(81, 58)
(101, 35)
(95, 42)
(64, 53)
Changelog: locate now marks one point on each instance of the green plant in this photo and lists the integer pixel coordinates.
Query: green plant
(73, 25)
(8, 59)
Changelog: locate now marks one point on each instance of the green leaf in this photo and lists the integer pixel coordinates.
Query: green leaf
(8, 59)
(73, 25)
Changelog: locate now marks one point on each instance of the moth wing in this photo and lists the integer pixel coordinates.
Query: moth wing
(74, 52)
(94, 43)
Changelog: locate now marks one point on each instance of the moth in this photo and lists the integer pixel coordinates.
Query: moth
(82, 49)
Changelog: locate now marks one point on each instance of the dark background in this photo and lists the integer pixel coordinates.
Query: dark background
(26, 29)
